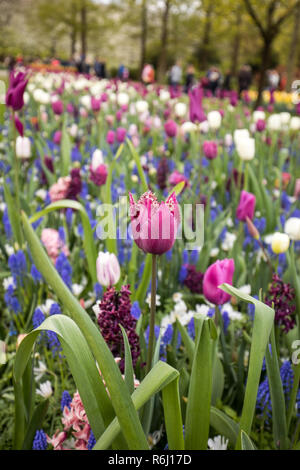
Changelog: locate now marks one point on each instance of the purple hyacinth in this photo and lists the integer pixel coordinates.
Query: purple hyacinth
(194, 280)
(115, 310)
(282, 296)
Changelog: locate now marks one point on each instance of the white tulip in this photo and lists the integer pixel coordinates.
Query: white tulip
(23, 147)
(274, 122)
(164, 95)
(41, 96)
(188, 127)
(203, 127)
(108, 269)
(73, 130)
(214, 120)
(295, 123)
(141, 106)
(292, 228)
(123, 99)
(285, 118)
(257, 115)
(246, 148)
(97, 159)
(240, 134)
(180, 109)
(228, 140)
(85, 100)
(280, 242)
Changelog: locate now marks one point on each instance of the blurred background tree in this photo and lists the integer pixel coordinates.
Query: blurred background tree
(224, 33)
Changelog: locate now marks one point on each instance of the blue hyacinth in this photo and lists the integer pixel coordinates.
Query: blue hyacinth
(65, 400)
(39, 441)
(91, 441)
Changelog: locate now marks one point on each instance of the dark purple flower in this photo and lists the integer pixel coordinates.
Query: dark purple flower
(114, 310)
(162, 173)
(282, 296)
(194, 279)
(15, 92)
(75, 184)
(58, 107)
(19, 126)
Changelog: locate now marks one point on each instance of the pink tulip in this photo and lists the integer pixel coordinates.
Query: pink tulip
(171, 128)
(176, 177)
(297, 189)
(119, 115)
(218, 273)
(96, 104)
(108, 269)
(154, 225)
(121, 134)
(210, 149)
(99, 175)
(53, 243)
(57, 137)
(110, 137)
(246, 206)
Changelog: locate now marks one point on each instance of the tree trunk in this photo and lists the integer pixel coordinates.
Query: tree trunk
(236, 47)
(206, 35)
(73, 33)
(294, 47)
(83, 29)
(144, 27)
(162, 63)
(266, 55)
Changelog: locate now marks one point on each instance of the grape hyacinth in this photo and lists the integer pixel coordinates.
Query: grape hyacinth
(39, 441)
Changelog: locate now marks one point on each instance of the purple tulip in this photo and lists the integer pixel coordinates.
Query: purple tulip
(196, 111)
(246, 206)
(210, 149)
(218, 273)
(171, 128)
(110, 137)
(260, 125)
(58, 107)
(15, 92)
(121, 134)
(19, 126)
(99, 175)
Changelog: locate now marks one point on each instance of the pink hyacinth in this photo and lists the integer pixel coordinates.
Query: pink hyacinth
(246, 206)
(210, 149)
(59, 190)
(218, 273)
(154, 225)
(53, 243)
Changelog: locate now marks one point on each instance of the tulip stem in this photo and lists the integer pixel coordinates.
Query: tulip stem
(152, 315)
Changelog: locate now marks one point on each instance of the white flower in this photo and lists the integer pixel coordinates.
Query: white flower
(45, 389)
(141, 106)
(8, 281)
(164, 95)
(228, 140)
(246, 148)
(233, 314)
(292, 228)
(2, 352)
(285, 118)
(202, 310)
(245, 289)
(77, 289)
(258, 115)
(214, 120)
(280, 242)
(180, 109)
(218, 443)
(295, 123)
(188, 127)
(40, 370)
(204, 127)
(41, 193)
(9, 249)
(228, 241)
(157, 300)
(97, 159)
(177, 296)
(240, 134)
(274, 122)
(85, 100)
(214, 252)
(41, 96)
(122, 99)
(73, 130)
(23, 147)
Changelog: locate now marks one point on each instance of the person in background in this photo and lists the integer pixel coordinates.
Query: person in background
(273, 79)
(244, 78)
(214, 79)
(148, 74)
(99, 67)
(189, 78)
(176, 74)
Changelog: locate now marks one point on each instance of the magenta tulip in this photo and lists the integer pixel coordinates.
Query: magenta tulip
(171, 128)
(176, 177)
(246, 206)
(99, 175)
(154, 225)
(15, 92)
(260, 125)
(210, 149)
(196, 111)
(110, 137)
(19, 126)
(96, 104)
(58, 107)
(121, 134)
(57, 137)
(218, 273)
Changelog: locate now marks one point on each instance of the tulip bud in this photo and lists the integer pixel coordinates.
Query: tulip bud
(108, 269)
(218, 273)
(280, 243)
(252, 229)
